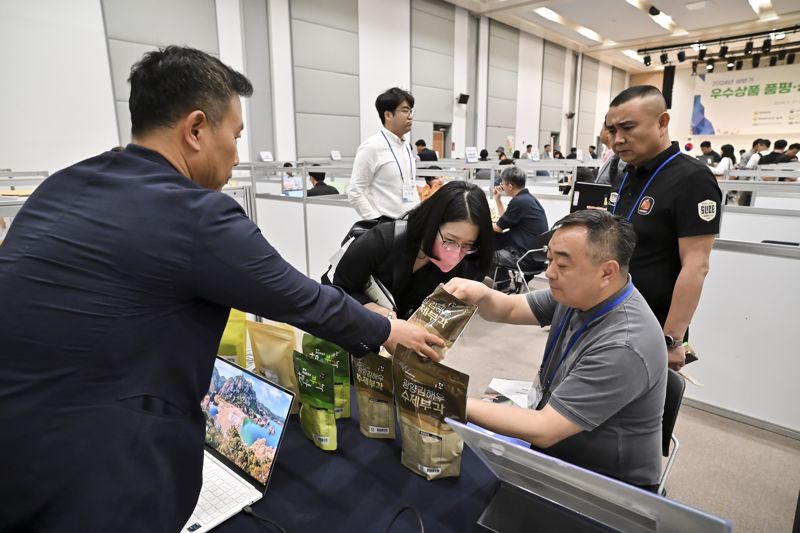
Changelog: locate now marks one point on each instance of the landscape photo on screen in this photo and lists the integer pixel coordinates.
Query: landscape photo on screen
(245, 419)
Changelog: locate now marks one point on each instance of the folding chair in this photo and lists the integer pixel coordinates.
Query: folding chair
(675, 387)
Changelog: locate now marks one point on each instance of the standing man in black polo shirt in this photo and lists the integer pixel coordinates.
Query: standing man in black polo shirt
(673, 202)
(520, 224)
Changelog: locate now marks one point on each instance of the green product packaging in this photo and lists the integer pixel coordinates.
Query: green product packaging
(273, 346)
(427, 392)
(315, 381)
(233, 344)
(373, 381)
(326, 351)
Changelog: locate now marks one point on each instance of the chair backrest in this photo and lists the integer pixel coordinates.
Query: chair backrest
(675, 387)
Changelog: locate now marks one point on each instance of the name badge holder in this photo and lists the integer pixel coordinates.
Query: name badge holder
(408, 188)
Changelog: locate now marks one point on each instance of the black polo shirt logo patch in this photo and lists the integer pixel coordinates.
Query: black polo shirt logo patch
(707, 210)
(646, 205)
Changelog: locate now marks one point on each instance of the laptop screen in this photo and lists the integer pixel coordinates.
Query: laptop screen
(245, 418)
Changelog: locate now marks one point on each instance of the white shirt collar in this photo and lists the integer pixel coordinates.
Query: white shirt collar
(389, 134)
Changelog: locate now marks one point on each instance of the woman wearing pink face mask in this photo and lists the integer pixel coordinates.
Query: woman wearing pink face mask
(449, 235)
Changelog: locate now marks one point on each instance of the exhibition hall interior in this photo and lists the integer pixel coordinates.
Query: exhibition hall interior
(424, 252)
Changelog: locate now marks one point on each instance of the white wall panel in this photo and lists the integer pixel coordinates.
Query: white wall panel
(384, 54)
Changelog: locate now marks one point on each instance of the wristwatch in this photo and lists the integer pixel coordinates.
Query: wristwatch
(672, 342)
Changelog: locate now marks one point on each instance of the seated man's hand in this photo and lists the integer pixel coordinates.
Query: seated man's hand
(413, 337)
(676, 357)
(467, 290)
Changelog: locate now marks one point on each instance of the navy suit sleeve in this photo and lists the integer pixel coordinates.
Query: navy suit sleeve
(235, 266)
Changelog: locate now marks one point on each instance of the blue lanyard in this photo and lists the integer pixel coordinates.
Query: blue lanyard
(577, 335)
(625, 177)
(411, 168)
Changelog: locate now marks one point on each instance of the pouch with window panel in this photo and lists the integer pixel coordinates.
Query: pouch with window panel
(332, 354)
(273, 346)
(373, 381)
(315, 381)
(426, 392)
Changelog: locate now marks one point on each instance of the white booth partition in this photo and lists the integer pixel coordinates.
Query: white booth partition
(744, 335)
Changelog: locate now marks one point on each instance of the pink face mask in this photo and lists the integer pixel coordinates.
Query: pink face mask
(447, 260)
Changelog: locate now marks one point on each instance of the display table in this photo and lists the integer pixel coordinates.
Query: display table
(361, 486)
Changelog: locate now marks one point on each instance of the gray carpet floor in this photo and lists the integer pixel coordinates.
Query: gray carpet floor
(729, 469)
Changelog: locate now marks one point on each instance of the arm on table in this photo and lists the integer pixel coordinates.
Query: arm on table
(542, 428)
(493, 305)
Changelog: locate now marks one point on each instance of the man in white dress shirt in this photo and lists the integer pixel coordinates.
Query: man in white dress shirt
(384, 170)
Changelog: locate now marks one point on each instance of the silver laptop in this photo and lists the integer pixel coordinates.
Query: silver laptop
(532, 482)
(245, 419)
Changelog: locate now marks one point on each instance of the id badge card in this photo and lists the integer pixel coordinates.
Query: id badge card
(535, 393)
(410, 193)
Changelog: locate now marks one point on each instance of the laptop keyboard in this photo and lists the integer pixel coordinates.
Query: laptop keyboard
(222, 494)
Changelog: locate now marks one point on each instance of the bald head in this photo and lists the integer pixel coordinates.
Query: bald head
(637, 123)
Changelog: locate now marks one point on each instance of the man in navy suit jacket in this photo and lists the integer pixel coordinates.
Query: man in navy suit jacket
(116, 281)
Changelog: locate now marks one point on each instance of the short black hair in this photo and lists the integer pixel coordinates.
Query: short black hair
(514, 176)
(546, 145)
(609, 236)
(757, 141)
(170, 82)
(592, 147)
(705, 144)
(794, 146)
(528, 146)
(391, 100)
(428, 179)
(573, 150)
(515, 155)
(288, 165)
(637, 91)
(319, 176)
(506, 161)
(765, 142)
(420, 142)
(455, 201)
(780, 144)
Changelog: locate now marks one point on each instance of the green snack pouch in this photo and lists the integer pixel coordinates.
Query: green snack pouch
(426, 392)
(373, 380)
(273, 346)
(326, 351)
(444, 315)
(315, 381)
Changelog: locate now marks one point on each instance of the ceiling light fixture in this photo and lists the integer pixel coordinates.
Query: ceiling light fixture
(633, 55)
(790, 59)
(701, 55)
(710, 65)
(590, 34)
(756, 60)
(731, 64)
(695, 6)
(759, 6)
(694, 68)
(549, 14)
(664, 58)
(748, 48)
(681, 56)
(739, 64)
(773, 61)
(723, 50)
(767, 46)
(782, 55)
(647, 61)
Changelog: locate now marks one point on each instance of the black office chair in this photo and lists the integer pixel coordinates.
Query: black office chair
(518, 275)
(675, 387)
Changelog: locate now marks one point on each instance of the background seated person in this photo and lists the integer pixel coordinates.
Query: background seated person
(603, 377)
(318, 185)
(449, 235)
(432, 184)
(520, 224)
(424, 153)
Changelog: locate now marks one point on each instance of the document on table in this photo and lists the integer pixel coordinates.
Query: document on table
(510, 391)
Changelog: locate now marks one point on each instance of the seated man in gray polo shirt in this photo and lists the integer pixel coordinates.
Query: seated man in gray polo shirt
(603, 377)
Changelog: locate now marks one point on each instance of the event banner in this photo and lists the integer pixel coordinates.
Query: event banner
(747, 102)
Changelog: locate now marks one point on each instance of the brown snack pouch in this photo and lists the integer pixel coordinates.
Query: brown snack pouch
(273, 346)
